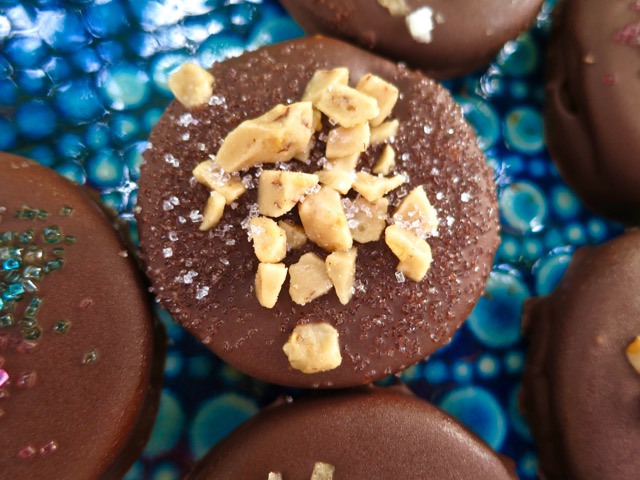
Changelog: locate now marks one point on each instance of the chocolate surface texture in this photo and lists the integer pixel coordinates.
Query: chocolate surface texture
(80, 370)
(465, 34)
(581, 393)
(205, 279)
(365, 433)
(593, 104)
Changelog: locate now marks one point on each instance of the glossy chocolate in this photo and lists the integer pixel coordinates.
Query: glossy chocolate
(206, 279)
(365, 433)
(593, 104)
(465, 36)
(80, 400)
(581, 395)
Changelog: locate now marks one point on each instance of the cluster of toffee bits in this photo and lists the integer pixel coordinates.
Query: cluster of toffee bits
(321, 471)
(420, 22)
(331, 221)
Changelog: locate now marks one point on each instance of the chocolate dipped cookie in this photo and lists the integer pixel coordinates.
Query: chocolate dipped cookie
(581, 385)
(593, 104)
(80, 351)
(444, 38)
(316, 215)
(361, 434)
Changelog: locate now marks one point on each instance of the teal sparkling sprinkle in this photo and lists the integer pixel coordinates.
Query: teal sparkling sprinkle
(30, 286)
(52, 234)
(15, 291)
(53, 265)
(66, 211)
(70, 239)
(27, 213)
(34, 306)
(43, 215)
(33, 273)
(10, 264)
(6, 320)
(27, 237)
(7, 237)
(62, 326)
(58, 251)
(32, 333)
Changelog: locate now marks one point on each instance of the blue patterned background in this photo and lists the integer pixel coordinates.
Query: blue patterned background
(83, 81)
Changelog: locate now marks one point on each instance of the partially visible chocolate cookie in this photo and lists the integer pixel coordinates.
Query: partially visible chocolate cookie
(581, 391)
(81, 355)
(360, 434)
(444, 38)
(593, 103)
(343, 298)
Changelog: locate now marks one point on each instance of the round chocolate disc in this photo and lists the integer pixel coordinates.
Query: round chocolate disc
(593, 104)
(362, 434)
(444, 38)
(581, 392)
(80, 352)
(206, 279)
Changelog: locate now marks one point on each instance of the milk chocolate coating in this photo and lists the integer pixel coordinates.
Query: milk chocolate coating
(581, 395)
(383, 329)
(89, 418)
(593, 104)
(365, 433)
(469, 34)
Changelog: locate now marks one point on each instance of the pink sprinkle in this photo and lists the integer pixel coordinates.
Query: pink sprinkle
(26, 380)
(4, 377)
(27, 452)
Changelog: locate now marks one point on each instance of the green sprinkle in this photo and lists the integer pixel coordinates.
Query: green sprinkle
(43, 214)
(26, 237)
(70, 239)
(28, 322)
(53, 265)
(32, 333)
(6, 320)
(62, 326)
(33, 307)
(66, 211)
(58, 252)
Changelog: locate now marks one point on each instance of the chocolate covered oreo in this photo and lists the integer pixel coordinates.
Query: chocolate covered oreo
(80, 353)
(363, 434)
(316, 215)
(444, 38)
(593, 104)
(581, 387)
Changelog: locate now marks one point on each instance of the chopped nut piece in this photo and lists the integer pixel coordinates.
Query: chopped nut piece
(269, 280)
(347, 163)
(324, 220)
(421, 23)
(296, 238)
(192, 85)
(275, 476)
(385, 94)
(397, 8)
(384, 132)
(276, 136)
(416, 214)
(309, 279)
(210, 174)
(269, 240)
(322, 471)
(633, 354)
(370, 219)
(324, 80)
(386, 162)
(313, 348)
(341, 268)
(317, 120)
(414, 252)
(213, 211)
(347, 106)
(343, 142)
(339, 180)
(278, 191)
(373, 188)
(306, 153)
